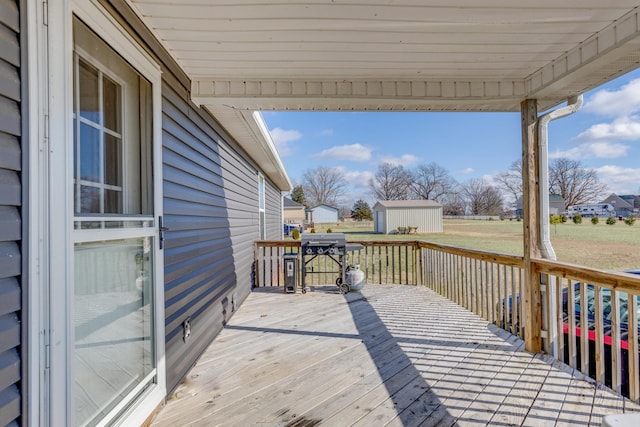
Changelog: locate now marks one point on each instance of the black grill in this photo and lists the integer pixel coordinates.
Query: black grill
(323, 244)
(332, 245)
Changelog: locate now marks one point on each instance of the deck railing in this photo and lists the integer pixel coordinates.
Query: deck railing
(491, 285)
(382, 262)
(488, 284)
(607, 304)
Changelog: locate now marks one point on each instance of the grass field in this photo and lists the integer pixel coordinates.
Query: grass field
(610, 247)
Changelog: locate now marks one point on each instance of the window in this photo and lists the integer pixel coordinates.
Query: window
(112, 129)
(261, 208)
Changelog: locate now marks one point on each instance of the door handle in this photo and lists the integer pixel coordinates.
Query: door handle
(161, 231)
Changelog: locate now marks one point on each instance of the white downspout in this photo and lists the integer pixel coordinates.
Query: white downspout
(573, 104)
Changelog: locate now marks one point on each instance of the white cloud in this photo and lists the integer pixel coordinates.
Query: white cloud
(620, 180)
(358, 185)
(622, 128)
(405, 160)
(353, 152)
(466, 171)
(599, 150)
(326, 132)
(615, 103)
(357, 179)
(283, 139)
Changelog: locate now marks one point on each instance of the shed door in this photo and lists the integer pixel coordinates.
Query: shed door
(380, 228)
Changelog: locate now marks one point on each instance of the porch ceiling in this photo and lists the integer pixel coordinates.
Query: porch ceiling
(404, 55)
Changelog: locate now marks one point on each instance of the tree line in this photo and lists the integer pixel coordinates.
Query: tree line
(568, 178)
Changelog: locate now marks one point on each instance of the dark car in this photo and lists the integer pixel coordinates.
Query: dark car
(590, 330)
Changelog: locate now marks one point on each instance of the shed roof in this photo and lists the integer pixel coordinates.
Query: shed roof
(322, 205)
(408, 204)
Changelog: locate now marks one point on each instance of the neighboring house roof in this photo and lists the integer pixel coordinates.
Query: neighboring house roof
(290, 204)
(407, 204)
(618, 202)
(631, 199)
(553, 198)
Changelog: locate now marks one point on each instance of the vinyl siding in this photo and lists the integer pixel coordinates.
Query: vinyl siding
(211, 209)
(324, 215)
(10, 214)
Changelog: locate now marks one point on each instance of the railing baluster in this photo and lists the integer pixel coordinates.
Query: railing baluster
(584, 329)
(559, 321)
(632, 341)
(599, 327)
(616, 374)
(571, 325)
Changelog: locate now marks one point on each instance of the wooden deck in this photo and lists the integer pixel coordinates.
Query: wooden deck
(392, 355)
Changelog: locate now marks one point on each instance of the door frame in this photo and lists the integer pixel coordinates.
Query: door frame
(51, 319)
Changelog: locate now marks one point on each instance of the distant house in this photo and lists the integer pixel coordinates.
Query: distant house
(322, 214)
(293, 212)
(633, 200)
(557, 205)
(422, 216)
(621, 206)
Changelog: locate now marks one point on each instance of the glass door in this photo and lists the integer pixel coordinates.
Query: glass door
(114, 231)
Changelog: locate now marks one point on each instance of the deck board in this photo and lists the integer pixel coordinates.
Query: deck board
(393, 355)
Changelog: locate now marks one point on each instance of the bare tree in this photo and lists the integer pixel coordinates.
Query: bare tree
(511, 181)
(453, 203)
(391, 182)
(482, 198)
(575, 183)
(323, 185)
(431, 182)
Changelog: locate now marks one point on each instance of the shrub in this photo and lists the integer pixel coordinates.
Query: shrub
(555, 219)
(313, 230)
(595, 220)
(329, 230)
(563, 218)
(519, 219)
(611, 220)
(630, 221)
(577, 219)
(295, 234)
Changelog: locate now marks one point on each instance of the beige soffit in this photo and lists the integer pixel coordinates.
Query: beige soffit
(404, 55)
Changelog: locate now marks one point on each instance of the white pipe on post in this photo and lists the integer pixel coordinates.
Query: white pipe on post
(573, 104)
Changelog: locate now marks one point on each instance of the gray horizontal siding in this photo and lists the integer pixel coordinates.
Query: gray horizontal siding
(10, 214)
(210, 202)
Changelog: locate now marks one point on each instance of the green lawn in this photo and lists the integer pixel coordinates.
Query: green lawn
(610, 247)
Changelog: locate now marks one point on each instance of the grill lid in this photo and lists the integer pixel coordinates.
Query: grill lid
(323, 239)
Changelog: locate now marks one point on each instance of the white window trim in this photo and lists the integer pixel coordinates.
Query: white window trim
(56, 212)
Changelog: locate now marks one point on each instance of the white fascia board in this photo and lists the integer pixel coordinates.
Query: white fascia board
(270, 148)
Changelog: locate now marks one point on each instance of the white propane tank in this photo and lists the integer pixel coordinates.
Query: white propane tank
(355, 278)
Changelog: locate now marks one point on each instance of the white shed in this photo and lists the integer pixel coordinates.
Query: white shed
(419, 216)
(322, 214)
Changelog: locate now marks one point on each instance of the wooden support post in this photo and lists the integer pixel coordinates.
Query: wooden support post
(531, 209)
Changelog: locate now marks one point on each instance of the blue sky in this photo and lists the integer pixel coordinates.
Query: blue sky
(604, 135)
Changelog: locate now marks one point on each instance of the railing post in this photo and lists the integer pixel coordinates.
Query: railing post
(530, 205)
